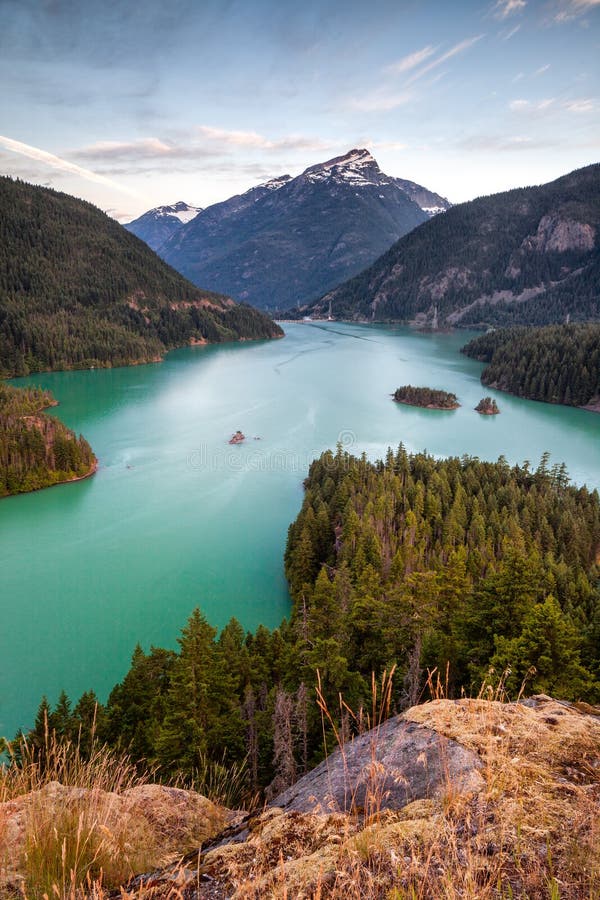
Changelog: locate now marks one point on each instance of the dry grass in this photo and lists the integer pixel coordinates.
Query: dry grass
(531, 832)
(80, 826)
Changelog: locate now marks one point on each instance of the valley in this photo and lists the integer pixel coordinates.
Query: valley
(175, 517)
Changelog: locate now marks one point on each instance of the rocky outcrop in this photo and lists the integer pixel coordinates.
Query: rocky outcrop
(390, 767)
(555, 234)
(465, 798)
(161, 821)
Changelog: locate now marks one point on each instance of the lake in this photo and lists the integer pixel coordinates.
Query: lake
(177, 518)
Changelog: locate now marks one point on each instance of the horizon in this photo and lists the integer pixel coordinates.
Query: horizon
(136, 108)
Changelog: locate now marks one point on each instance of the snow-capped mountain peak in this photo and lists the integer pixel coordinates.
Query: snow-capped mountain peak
(357, 167)
(182, 211)
(158, 224)
(275, 183)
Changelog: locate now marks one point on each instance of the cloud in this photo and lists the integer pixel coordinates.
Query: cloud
(454, 51)
(498, 143)
(541, 70)
(572, 9)
(145, 148)
(252, 139)
(511, 33)
(539, 107)
(411, 61)
(530, 107)
(383, 145)
(63, 165)
(505, 8)
(380, 100)
(583, 105)
(395, 93)
(201, 143)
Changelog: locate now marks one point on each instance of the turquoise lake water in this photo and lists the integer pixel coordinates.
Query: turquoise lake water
(176, 518)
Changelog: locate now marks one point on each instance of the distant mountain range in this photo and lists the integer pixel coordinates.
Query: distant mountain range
(526, 256)
(290, 239)
(157, 225)
(77, 290)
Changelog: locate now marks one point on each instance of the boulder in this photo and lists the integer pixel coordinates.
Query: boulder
(386, 768)
(157, 822)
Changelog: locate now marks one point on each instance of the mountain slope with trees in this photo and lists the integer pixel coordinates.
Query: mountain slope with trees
(77, 290)
(556, 364)
(291, 239)
(36, 450)
(529, 256)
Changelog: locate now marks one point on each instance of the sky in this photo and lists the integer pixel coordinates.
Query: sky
(132, 104)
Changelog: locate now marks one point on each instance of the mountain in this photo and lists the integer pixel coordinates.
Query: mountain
(77, 290)
(157, 225)
(291, 239)
(430, 203)
(526, 256)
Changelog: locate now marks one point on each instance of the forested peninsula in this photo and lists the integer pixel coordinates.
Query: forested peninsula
(556, 364)
(36, 450)
(481, 572)
(77, 291)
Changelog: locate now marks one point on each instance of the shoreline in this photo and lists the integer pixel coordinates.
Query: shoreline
(428, 406)
(91, 471)
(142, 362)
(593, 406)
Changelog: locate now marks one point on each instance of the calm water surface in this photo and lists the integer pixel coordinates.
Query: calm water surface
(176, 517)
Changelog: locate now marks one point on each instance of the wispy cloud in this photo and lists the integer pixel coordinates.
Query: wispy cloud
(202, 142)
(411, 61)
(505, 8)
(584, 105)
(511, 33)
(399, 77)
(56, 162)
(253, 139)
(144, 148)
(440, 60)
(380, 100)
(529, 106)
(537, 107)
(541, 70)
(498, 143)
(572, 9)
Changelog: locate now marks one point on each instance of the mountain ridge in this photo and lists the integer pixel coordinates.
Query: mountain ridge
(528, 256)
(291, 238)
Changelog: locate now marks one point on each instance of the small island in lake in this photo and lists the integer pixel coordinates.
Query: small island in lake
(428, 398)
(237, 438)
(487, 406)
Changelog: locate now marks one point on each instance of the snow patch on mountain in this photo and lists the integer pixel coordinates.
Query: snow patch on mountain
(180, 210)
(357, 167)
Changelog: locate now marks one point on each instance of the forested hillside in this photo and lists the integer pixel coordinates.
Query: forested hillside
(557, 364)
(475, 568)
(37, 450)
(529, 256)
(77, 290)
